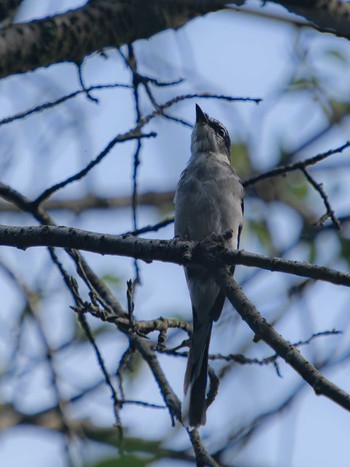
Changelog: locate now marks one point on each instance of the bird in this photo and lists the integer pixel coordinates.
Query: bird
(208, 203)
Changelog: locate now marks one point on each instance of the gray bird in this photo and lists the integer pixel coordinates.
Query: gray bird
(208, 200)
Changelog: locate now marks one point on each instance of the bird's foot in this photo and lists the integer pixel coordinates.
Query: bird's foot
(226, 235)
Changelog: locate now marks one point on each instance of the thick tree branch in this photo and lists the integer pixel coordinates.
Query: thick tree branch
(210, 253)
(115, 310)
(330, 15)
(99, 24)
(8, 8)
(72, 36)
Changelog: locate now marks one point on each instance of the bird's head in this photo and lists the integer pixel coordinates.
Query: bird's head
(209, 135)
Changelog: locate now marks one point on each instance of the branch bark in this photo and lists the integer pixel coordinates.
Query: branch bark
(330, 15)
(111, 304)
(7, 8)
(72, 36)
(99, 24)
(210, 253)
(248, 312)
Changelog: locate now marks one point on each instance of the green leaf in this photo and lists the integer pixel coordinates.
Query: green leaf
(299, 84)
(337, 55)
(312, 252)
(124, 461)
(345, 250)
(339, 110)
(111, 279)
(261, 230)
(111, 436)
(296, 187)
(240, 159)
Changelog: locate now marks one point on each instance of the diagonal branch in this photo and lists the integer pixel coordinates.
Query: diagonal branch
(319, 188)
(300, 165)
(202, 457)
(248, 312)
(8, 8)
(131, 135)
(113, 307)
(147, 353)
(99, 24)
(330, 15)
(60, 100)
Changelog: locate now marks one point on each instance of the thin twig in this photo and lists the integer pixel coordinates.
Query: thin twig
(202, 456)
(121, 366)
(136, 81)
(129, 297)
(82, 84)
(88, 333)
(49, 105)
(319, 188)
(131, 135)
(300, 165)
(151, 228)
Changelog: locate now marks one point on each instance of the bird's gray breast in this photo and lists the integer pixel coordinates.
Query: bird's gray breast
(208, 200)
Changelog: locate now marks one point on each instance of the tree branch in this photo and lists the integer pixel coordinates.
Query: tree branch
(210, 253)
(300, 165)
(84, 203)
(8, 8)
(330, 15)
(248, 312)
(115, 310)
(202, 457)
(99, 24)
(319, 188)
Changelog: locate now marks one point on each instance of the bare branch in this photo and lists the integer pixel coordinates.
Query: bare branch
(130, 135)
(84, 203)
(98, 24)
(114, 310)
(330, 15)
(8, 8)
(248, 312)
(49, 105)
(300, 165)
(112, 23)
(84, 324)
(170, 398)
(202, 457)
(242, 360)
(319, 188)
(176, 251)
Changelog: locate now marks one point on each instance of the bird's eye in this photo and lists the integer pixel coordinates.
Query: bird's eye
(221, 132)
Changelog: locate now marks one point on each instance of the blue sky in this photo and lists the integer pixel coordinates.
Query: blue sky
(223, 53)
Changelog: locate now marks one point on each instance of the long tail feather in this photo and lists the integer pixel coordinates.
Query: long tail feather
(194, 407)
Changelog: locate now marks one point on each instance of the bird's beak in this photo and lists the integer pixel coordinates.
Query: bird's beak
(201, 117)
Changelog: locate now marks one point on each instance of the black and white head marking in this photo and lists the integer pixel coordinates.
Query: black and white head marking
(220, 131)
(210, 135)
